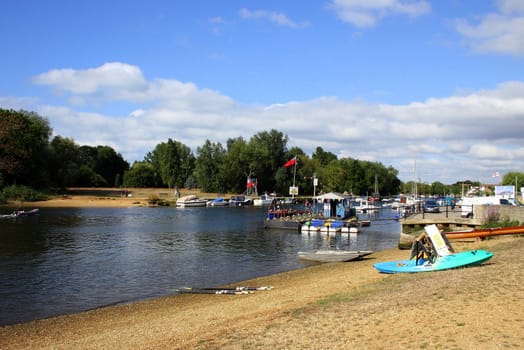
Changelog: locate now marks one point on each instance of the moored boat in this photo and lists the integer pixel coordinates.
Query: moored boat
(239, 201)
(263, 200)
(333, 255)
(218, 202)
(190, 201)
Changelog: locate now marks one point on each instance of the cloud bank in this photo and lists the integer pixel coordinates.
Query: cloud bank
(470, 135)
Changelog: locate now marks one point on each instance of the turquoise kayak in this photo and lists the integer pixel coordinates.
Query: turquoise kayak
(452, 261)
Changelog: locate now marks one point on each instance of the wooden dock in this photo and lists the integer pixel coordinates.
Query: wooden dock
(448, 219)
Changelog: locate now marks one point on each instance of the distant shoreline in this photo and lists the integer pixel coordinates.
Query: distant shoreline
(107, 198)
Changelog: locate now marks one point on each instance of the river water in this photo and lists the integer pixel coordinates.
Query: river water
(68, 260)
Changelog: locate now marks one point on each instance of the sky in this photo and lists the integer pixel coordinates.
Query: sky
(434, 89)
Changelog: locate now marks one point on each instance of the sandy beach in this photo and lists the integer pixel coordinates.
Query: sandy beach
(329, 306)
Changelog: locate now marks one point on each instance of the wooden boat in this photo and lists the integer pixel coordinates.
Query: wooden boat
(486, 232)
(432, 252)
(190, 201)
(333, 255)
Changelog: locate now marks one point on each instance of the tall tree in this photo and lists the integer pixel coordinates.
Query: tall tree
(141, 174)
(208, 167)
(108, 164)
(173, 161)
(64, 162)
(24, 140)
(323, 157)
(236, 165)
(266, 152)
(514, 178)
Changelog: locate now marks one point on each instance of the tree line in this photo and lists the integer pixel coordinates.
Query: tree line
(29, 157)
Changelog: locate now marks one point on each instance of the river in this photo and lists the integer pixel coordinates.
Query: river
(68, 260)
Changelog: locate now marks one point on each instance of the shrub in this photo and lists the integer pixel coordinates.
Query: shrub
(21, 193)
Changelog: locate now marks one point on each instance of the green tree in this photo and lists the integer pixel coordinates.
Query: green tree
(323, 157)
(513, 178)
(208, 171)
(108, 164)
(438, 188)
(24, 140)
(236, 165)
(64, 162)
(141, 174)
(355, 179)
(266, 152)
(173, 161)
(333, 177)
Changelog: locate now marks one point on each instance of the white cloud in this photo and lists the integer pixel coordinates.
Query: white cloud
(366, 13)
(109, 76)
(275, 17)
(500, 32)
(123, 82)
(457, 136)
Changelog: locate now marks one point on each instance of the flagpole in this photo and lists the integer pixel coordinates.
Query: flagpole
(294, 176)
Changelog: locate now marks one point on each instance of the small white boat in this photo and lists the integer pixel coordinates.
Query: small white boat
(263, 200)
(190, 201)
(333, 255)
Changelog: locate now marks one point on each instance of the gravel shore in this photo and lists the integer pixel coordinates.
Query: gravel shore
(328, 306)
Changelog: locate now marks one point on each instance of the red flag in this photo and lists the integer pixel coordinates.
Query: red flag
(290, 162)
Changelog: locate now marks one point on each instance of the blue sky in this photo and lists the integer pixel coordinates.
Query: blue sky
(439, 83)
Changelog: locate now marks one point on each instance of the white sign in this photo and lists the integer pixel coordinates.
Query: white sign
(293, 190)
(505, 191)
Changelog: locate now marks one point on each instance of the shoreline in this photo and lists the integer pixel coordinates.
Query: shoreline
(336, 305)
(107, 198)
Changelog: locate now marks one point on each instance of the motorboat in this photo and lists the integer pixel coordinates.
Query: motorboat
(27, 212)
(239, 201)
(190, 201)
(263, 200)
(218, 202)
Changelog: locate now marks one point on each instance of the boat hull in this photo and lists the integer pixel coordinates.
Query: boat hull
(326, 256)
(487, 232)
(192, 204)
(452, 261)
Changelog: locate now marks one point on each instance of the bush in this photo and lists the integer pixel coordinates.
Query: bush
(155, 200)
(21, 193)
